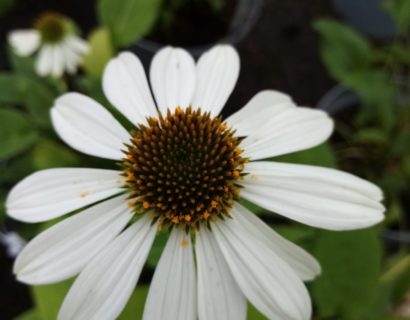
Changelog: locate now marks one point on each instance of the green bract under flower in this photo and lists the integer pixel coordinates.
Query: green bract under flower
(184, 167)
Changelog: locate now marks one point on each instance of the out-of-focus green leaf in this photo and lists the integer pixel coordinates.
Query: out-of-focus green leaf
(400, 10)
(2, 207)
(48, 298)
(48, 154)
(296, 233)
(157, 248)
(38, 98)
(135, 307)
(406, 165)
(100, 53)
(34, 94)
(254, 314)
(5, 6)
(343, 50)
(16, 133)
(24, 65)
(9, 92)
(15, 169)
(401, 145)
(377, 94)
(30, 315)
(372, 136)
(321, 155)
(128, 20)
(351, 263)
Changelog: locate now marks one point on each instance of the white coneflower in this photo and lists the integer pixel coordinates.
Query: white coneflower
(183, 168)
(60, 49)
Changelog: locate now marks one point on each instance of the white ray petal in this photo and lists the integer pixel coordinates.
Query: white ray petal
(306, 266)
(266, 280)
(57, 61)
(219, 297)
(63, 250)
(258, 111)
(319, 197)
(51, 193)
(286, 129)
(44, 61)
(78, 45)
(172, 76)
(24, 42)
(103, 288)
(126, 87)
(172, 294)
(217, 73)
(88, 127)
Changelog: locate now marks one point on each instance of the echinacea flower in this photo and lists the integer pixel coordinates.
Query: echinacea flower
(55, 37)
(184, 169)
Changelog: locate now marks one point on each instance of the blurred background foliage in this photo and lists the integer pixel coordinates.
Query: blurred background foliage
(365, 273)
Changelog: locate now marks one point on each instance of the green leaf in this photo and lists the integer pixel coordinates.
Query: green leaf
(157, 248)
(400, 10)
(377, 94)
(296, 233)
(9, 92)
(128, 20)
(254, 314)
(37, 95)
(48, 298)
(343, 50)
(29, 315)
(16, 169)
(20, 64)
(371, 136)
(38, 98)
(16, 133)
(321, 155)
(49, 154)
(351, 263)
(135, 306)
(5, 6)
(100, 53)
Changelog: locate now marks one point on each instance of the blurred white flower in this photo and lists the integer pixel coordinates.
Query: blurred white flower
(12, 242)
(59, 48)
(183, 168)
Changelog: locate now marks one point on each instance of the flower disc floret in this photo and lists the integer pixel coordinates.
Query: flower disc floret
(185, 167)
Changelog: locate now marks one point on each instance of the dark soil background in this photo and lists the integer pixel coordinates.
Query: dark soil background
(280, 52)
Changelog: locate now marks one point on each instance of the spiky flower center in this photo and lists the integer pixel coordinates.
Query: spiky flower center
(184, 168)
(52, 27)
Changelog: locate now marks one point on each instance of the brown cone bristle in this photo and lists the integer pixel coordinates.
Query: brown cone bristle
(184, 168)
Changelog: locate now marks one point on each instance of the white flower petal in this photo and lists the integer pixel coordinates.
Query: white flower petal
(103, 288)
(24, 42)
(287, 129)
(319, 197)
(126, 87)
(57, 61)
(217, 73)
(44, 62)
(258, 110)
(63, 250)
(51, 193)
(71, 59)
(172, 294)
(306, 266)
(172, 76)
(77, 44)
(267, 281)
(219, 297)
(88, 127)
